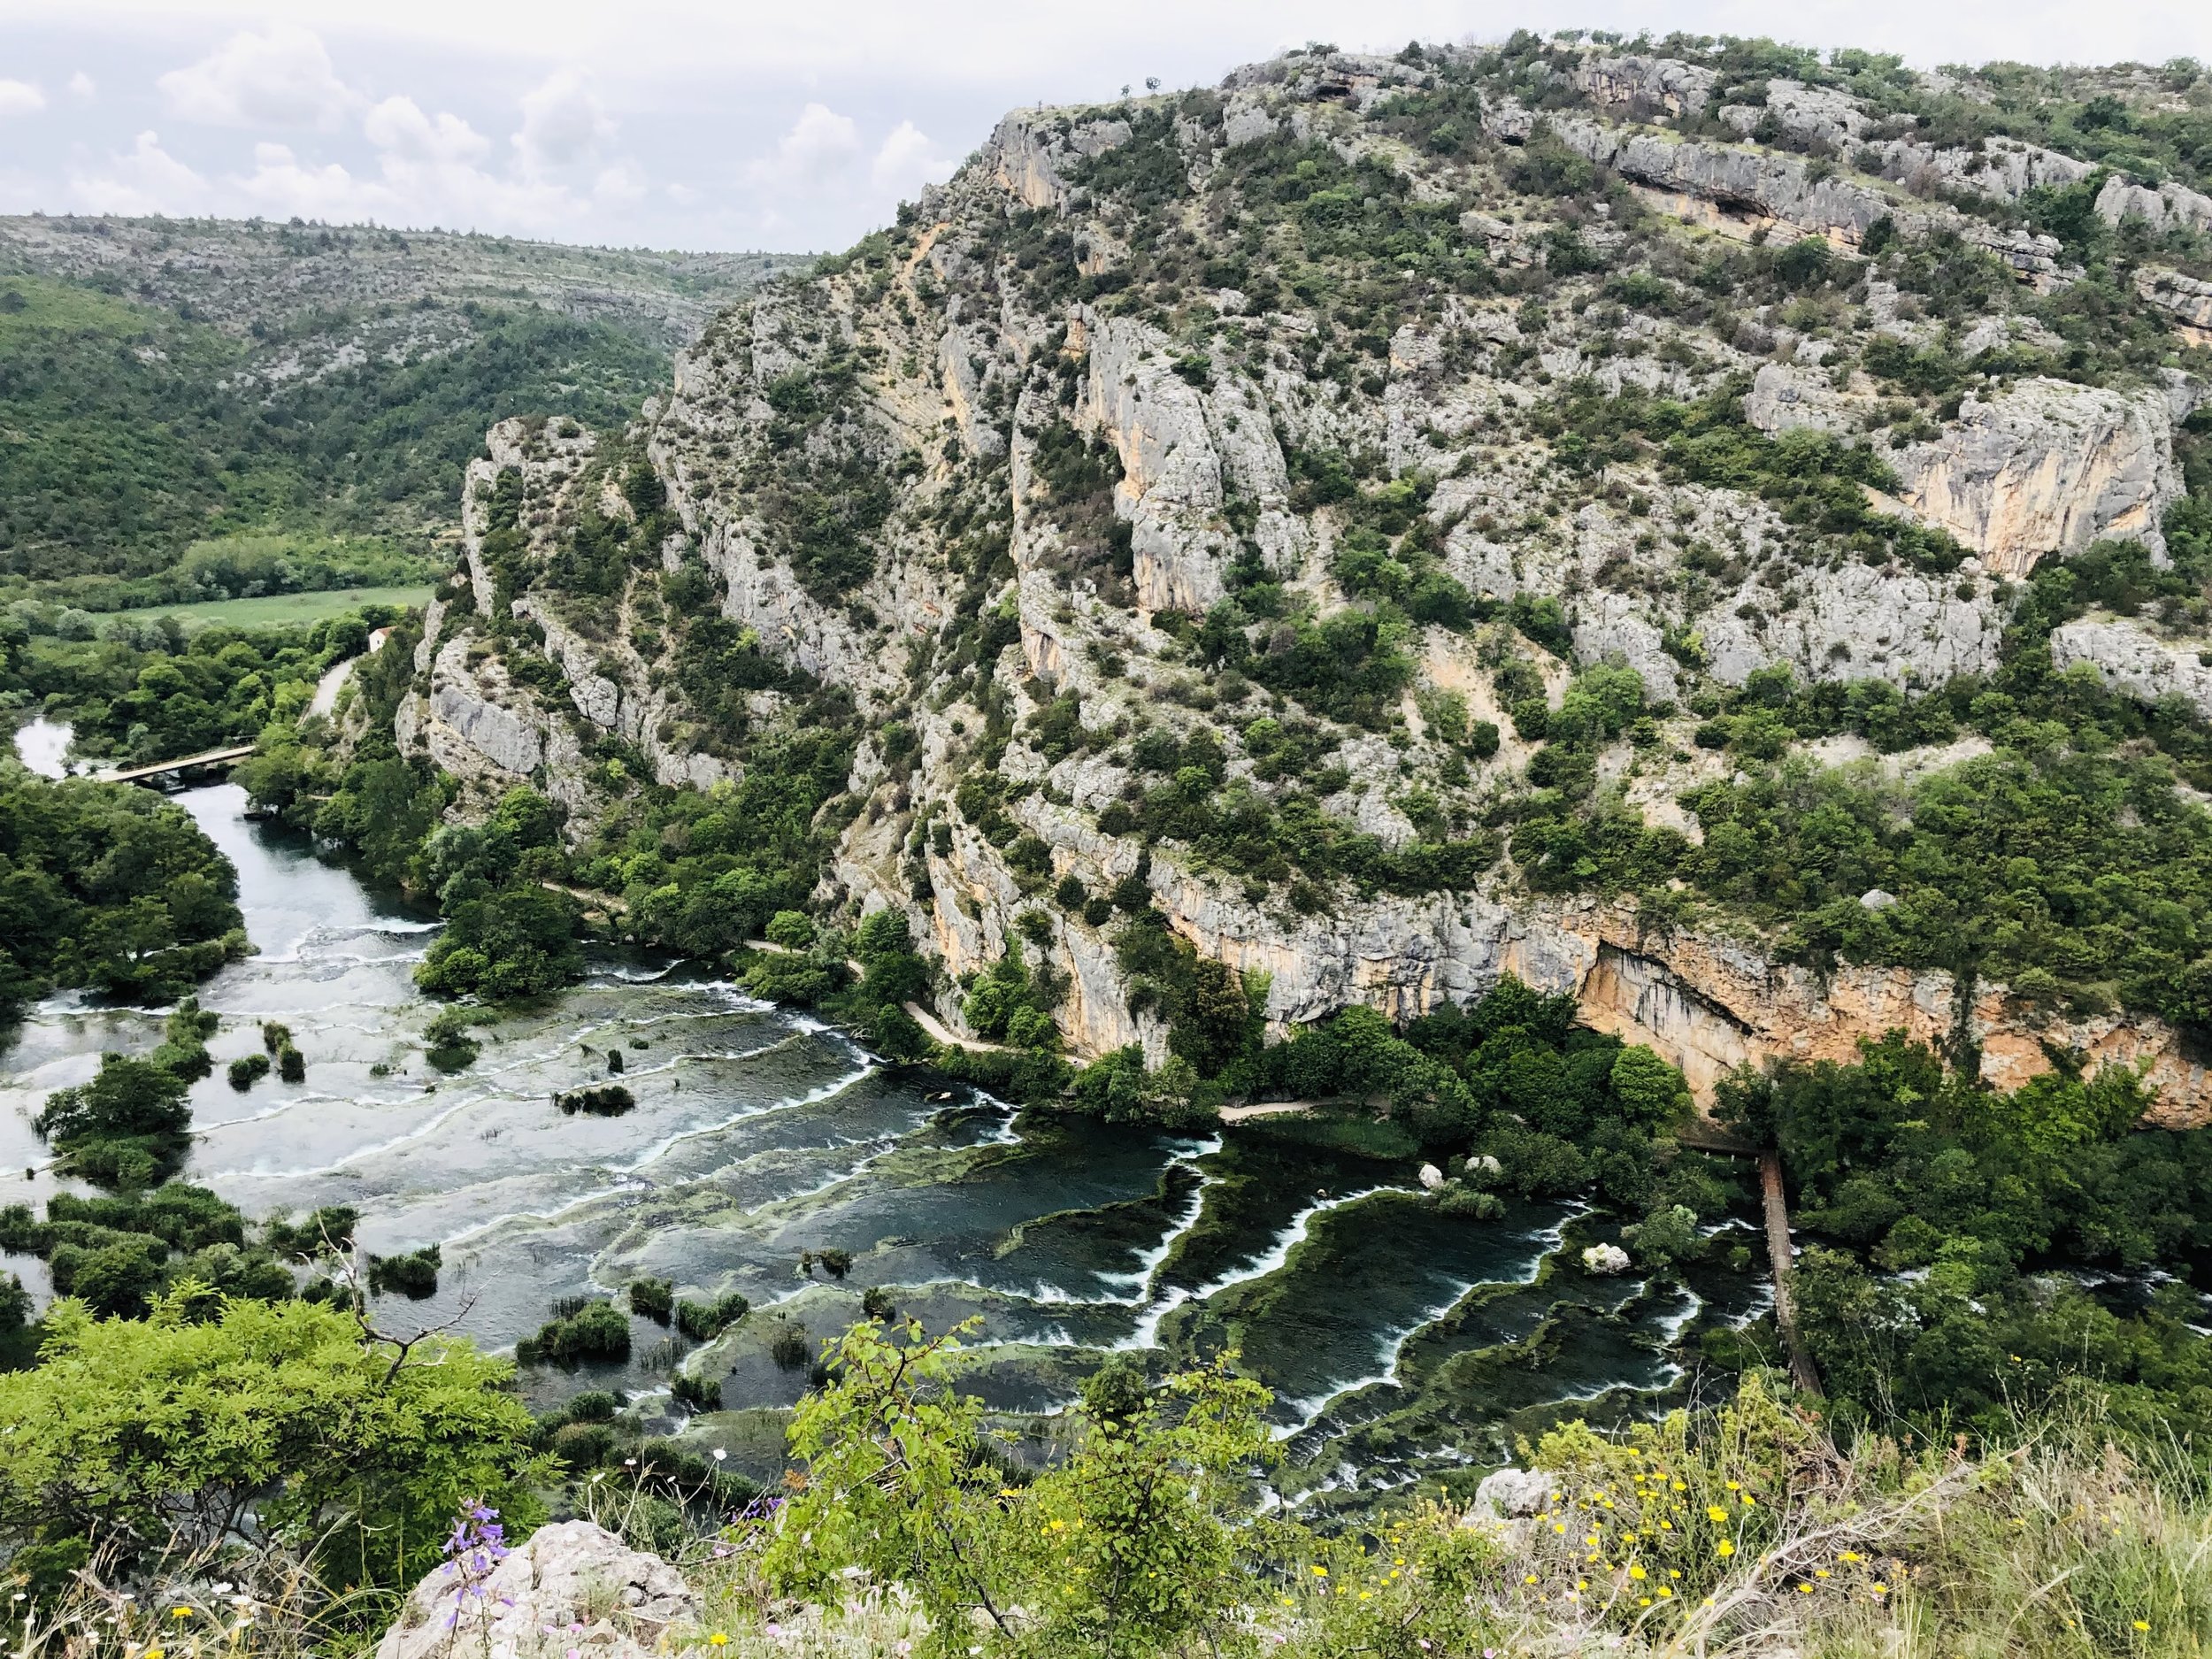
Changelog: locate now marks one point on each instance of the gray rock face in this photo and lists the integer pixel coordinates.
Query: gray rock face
(2187, 299)
(1855, 622)
(1820, 115)
(2128, 658)
(1741, 191)
(511, 738)
(1182, 448)
(2004, 168)
(2169, 207)
(2048, 467)
(1635, 83)
(1787, 395)
(571, 1572)
(1026, 156)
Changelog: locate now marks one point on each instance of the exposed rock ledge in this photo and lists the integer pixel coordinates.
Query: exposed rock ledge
(2128, 658)
(1707, 1004)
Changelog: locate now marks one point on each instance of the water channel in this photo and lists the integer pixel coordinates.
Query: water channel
(1397, 1339)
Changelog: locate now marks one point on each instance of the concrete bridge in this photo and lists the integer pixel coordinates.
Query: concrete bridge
(206, 760)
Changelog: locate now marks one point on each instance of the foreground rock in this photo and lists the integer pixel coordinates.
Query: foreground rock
(570, 1586)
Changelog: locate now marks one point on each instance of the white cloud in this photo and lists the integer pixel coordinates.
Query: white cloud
(81, 86)
(146, 179)
(398, 126)
(280, 79)
(563, 122)
(21, 97)
(821, 144)
(908, 160)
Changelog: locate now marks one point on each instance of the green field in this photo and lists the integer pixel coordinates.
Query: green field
(277, 611)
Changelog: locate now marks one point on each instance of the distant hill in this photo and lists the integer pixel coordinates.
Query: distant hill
(164, 382)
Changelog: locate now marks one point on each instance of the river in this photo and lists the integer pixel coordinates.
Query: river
(1397, 1339)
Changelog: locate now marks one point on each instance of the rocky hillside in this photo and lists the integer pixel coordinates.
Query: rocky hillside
(237, 274)
(1710, 528)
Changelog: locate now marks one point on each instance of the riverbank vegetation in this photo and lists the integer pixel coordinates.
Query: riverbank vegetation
(108, 887)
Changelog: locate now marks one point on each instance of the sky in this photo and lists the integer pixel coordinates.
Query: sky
(794, 126)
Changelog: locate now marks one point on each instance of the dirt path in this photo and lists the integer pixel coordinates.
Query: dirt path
(1270, 1109)
(332, 683)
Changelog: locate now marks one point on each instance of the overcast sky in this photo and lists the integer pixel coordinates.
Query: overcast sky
(682, 124)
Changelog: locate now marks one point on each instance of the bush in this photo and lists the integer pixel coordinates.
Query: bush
(127, 1128)
(696, 1393)
(317, 1233)
(791, 929)
(608, 1100)
(703, 1321)
(447, 1039)
(653, 1299)
(246, 1069)
(596, 1332)
(163, 1428)
(414, 1276)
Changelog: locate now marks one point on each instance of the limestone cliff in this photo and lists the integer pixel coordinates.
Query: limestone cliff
(1013, 472)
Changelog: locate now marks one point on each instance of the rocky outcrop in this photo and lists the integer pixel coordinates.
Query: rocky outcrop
(1811, 115)
(1710, 1005)
(1746, 192)
(1027, 157)
(1784, 395)
(485, 731)
(1183, 448)
(2169, 207)
(604, 1598)
(545, 457)
(2187, 299)
(2129, 659)
(2047, 467)
(1641, 85)
(1856, 622)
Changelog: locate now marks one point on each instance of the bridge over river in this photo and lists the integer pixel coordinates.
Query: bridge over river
(184, 766)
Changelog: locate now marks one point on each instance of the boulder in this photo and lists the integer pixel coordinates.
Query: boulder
(1510, 1494)
(1605, 1258)
(569, 1575)
(1432, 1177)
